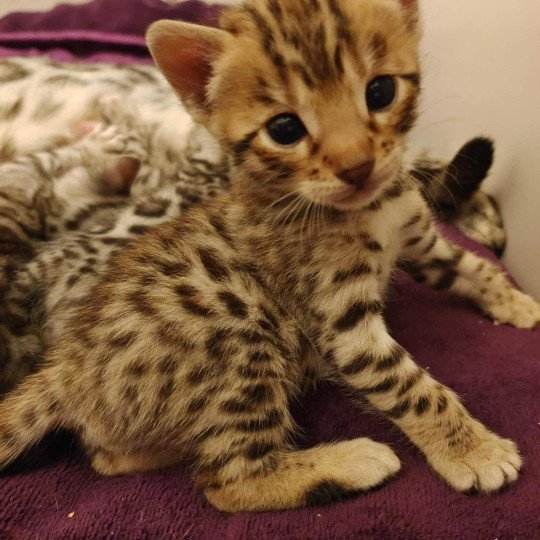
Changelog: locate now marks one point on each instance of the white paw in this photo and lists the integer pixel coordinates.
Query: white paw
(100, 137)
(110, 139)
(367, 463)
(517, 309)
(492, 464)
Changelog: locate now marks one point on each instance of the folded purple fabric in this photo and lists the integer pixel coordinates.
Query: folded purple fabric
(51, 493)
(95, 30)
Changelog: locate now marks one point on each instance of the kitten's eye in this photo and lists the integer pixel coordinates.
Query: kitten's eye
(380, 93)
(286, 129)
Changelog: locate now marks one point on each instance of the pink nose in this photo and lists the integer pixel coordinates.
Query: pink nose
(358, 175)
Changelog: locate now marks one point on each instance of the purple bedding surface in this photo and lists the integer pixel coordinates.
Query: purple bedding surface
(100, 31)
(52, 492)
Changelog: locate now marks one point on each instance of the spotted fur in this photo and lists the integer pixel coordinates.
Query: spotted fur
(67, 212)
(77, 194)
(30, 122)
(281, 275)
(452, 189)
(38, 194)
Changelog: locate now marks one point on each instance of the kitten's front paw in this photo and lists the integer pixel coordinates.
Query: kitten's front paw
(490, 465)
(517, 309)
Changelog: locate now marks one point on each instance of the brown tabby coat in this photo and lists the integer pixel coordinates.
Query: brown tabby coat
(200, 333)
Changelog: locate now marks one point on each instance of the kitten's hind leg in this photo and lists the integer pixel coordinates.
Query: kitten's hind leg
(241, 450)
(110, 463)
(20, 342)
(18, 357)
(311, 477)
(431, 258)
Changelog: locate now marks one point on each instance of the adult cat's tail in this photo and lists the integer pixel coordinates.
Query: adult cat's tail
(26, 415)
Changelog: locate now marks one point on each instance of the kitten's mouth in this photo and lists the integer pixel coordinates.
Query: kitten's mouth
(351, 197)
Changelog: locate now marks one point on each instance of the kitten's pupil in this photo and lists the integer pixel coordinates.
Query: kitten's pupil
(380, 93)
(286, 129)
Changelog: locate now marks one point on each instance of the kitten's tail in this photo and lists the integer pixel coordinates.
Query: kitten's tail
(447, 188)
(27, 414)
(469, 168)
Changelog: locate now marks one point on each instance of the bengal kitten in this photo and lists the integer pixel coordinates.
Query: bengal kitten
(69, 210)
(72, 212)
(201, 332)
(42, 104)
(453, 191)
(40, 197)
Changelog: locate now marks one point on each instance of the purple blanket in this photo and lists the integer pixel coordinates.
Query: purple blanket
(52, 493)
(101, 31)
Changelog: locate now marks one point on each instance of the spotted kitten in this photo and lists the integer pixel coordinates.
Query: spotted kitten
(452, 190)
(38, 195)
(78, 205)
(200, 333)
(38, 190)
(72, 212)
(43, 103)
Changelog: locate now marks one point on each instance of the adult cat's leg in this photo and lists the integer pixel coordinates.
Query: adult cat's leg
(433, 259)
(464, 452)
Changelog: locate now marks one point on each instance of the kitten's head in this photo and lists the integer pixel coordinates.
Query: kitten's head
(312, 97)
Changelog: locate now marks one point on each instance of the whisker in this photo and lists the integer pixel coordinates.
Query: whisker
(277, 201)
(433, 179)
(305, 216)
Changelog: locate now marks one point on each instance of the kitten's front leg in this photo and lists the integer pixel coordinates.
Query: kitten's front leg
(430, 257)
(463, 451)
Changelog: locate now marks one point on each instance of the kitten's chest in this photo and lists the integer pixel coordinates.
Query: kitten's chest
(353, 257)
(366, 253)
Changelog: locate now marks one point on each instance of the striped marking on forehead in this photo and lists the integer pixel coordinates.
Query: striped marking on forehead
(306, 37)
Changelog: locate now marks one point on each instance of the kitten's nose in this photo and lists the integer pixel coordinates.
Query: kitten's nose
(357, 176)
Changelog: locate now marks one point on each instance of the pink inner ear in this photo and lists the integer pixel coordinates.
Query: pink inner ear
(197, 70)
(118, 178)
(187, 67)
(185, 52)
(409, 4)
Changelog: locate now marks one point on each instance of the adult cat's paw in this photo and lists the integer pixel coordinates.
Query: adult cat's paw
(491, 464)
(517, 309)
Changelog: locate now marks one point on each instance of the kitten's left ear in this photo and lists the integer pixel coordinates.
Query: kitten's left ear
(184, 52)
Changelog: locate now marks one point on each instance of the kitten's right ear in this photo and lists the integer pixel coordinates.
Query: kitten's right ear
(184, 53)
(410, 6)
(411, 10)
